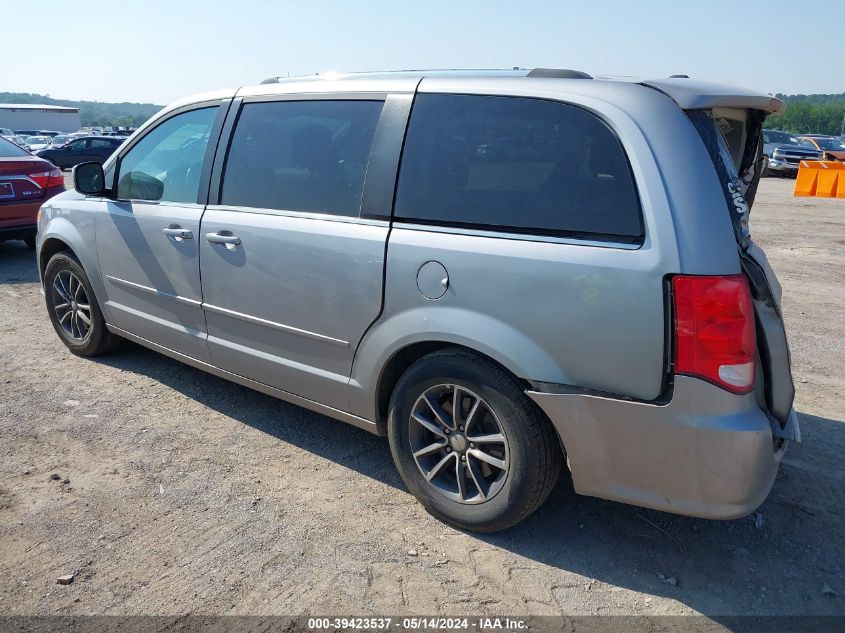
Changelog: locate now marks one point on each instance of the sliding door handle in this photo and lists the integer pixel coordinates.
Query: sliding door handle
(218, 238)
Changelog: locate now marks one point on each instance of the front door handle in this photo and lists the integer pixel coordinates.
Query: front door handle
(219, 238)
(178, 233)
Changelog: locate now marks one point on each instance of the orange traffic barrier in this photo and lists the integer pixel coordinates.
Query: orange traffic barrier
(820, 178)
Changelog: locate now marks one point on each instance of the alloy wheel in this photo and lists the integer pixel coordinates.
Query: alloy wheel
(458, 444)
(71, 305)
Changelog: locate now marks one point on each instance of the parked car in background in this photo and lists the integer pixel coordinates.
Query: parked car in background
(833, 148)
(775, 138)
(26, 182)
(17, 140)
(35, 143)
(436, 258)
(4, 131)
(25, 133)
(784, 153)
(61, 139)
(82, 150)
(50, 133)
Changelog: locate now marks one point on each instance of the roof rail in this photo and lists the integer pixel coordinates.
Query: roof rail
(558, 73)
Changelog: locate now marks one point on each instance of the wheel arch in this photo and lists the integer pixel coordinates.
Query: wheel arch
(60, 234)
(49, 247)
(391, 345)
(406, 356)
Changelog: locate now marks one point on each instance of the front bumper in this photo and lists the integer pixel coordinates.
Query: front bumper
(706, 453)
(783, 166)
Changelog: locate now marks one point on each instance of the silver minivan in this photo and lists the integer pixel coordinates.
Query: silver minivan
(501, 271)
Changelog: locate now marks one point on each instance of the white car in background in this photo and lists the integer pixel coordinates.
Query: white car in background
(35, 143)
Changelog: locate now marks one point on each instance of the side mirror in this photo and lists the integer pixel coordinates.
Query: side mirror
(136, 185)
(88, 178)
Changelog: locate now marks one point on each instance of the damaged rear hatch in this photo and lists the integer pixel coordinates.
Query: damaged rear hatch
(730, 122)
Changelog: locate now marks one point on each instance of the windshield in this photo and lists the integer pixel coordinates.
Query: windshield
(830, 143)
(37, 140)
(60, 140)
(781, 138)
(10, 150)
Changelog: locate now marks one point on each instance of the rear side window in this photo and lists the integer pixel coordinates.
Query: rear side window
(516, 164)
(301, 156)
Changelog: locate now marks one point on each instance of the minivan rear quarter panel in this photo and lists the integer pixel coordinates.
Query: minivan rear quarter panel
(564, 311)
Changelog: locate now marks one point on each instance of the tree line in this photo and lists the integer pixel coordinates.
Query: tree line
(810, 114)
(92, 113)
(805, 114)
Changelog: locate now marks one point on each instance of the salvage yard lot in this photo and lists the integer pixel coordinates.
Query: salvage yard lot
(179, 492)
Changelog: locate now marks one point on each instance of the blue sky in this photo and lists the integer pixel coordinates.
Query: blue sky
(160, 50)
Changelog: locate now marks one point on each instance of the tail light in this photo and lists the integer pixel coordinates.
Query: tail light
(714, 330)
(48, 179)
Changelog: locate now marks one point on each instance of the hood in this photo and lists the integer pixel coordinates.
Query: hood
(796, 151)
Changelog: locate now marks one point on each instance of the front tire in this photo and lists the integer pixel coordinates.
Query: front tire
(73, 308)
(484, 469)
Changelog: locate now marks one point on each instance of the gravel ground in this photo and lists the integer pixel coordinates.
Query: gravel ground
(178, 492)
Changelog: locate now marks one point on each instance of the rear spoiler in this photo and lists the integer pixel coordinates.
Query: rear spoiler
(691, 94)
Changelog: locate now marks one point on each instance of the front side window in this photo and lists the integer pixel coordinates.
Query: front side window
(301, 156)
(516, 164)
(166, 163)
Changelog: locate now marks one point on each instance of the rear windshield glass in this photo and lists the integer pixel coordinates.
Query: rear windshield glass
(516, 164)
(10, 150)
(721, 131)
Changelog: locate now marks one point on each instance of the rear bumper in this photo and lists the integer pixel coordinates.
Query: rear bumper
(707, 453)
(18, 221)
(17, 232)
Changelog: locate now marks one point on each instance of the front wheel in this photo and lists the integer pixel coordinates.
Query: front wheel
(73, 308)
(468, 442)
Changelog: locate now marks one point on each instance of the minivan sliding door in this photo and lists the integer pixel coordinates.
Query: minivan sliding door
(291, 272)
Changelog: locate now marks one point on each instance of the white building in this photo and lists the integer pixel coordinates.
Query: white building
(28, 116)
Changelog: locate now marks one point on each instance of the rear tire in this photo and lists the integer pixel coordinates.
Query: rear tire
(503, 480)
(73, 309)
